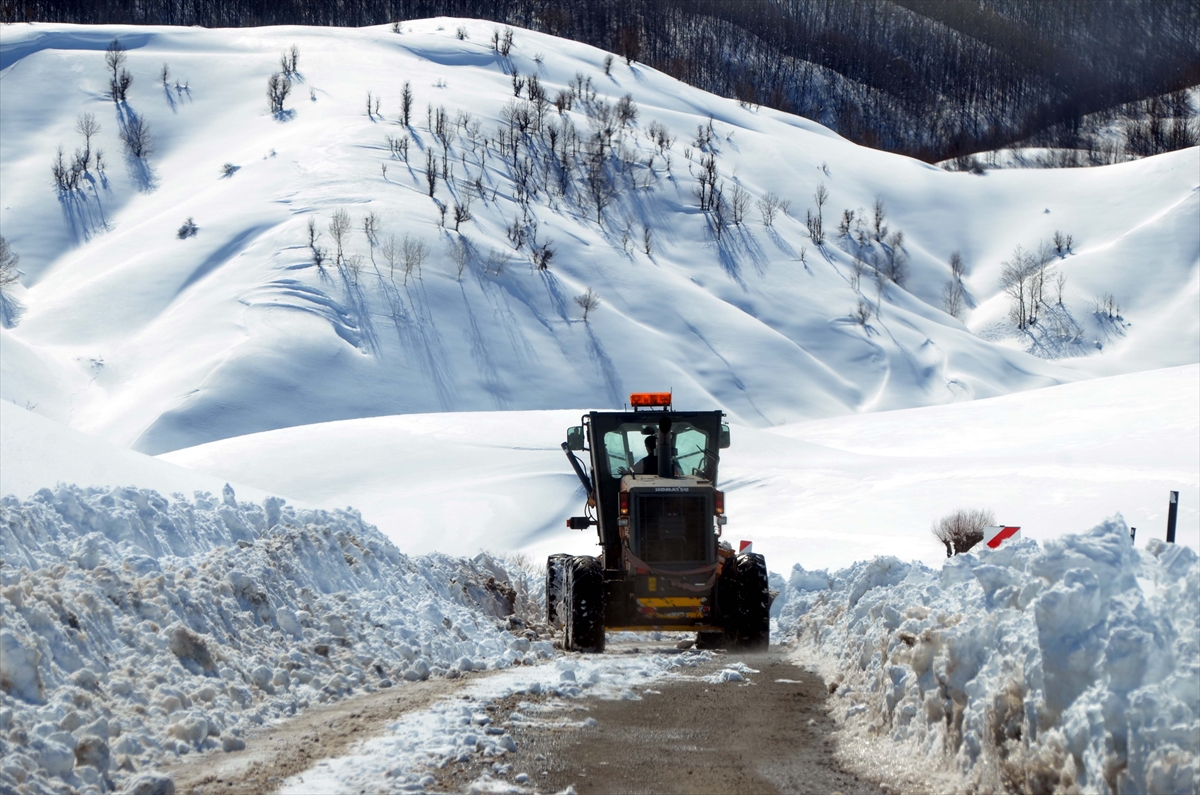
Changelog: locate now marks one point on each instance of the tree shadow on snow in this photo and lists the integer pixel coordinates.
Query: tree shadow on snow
(604, 363)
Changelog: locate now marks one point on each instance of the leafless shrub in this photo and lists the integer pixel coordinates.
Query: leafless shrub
(370, 225)
(339, 227)
(608, 62)
(460, 255)
(771, 205)
(739, 201)
(462, 211)
(10, 309)
(878, 218)
(189, 229)
(120, 79)
(413, 252)
(406, 102)
(461, 33)
(963, 529)
(279, 86)
(587, 302)
(542, 254)
(1062, 243)
(952, 298)
(228, 170)
(627, 111)
(136, 136)
(862, 312)
(390, 249)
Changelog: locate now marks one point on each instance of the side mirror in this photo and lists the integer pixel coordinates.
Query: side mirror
(580, 522)
(575, 439)
(724, 441)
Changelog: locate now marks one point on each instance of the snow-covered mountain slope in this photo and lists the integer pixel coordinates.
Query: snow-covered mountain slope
(823, 494)
(38, 453)
(161, 343)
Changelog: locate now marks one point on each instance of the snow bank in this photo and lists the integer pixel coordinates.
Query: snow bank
(1024, 668)
(137, 627)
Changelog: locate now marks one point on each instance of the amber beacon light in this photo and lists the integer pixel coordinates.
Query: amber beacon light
(650, 399)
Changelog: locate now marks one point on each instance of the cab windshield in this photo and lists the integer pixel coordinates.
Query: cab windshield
(625, 448)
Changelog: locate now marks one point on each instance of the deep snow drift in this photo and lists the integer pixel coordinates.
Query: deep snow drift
(1023, 669)
(137, 627)
(160, 343)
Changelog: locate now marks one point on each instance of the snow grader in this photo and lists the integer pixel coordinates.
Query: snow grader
(652, 496)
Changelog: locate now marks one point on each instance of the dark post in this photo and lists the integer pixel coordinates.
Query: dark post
(1172, 514)
(1132, 534)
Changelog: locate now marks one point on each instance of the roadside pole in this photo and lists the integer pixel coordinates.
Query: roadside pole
(1172, 514)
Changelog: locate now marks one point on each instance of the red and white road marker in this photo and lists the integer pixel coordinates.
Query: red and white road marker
(995, 536)
(745, 547)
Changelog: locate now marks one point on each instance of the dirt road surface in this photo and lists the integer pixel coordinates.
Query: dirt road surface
(684, 735)
(770, 735)
(273, 753)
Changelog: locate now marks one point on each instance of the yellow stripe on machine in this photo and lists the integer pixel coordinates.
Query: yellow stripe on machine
(670, 601)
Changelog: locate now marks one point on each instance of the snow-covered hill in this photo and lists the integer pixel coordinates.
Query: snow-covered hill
(160, 343)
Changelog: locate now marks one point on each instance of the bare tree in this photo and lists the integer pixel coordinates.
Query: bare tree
(816, 223)
(608, 62)
(279, 86)
(862, 311)
(462, 211)
(87, 126)
(506, 43)
(878, 218)
(430, 171)
(9, 275)
(896, 260)
(958, 268)
(293, 59)
(542, 254)
(136, 136)
(460, 255)
(627, 111)
(114, 57)
(587, 302)
(963, 529)
(406, 103)
(370, 225)
(857, 269)
(739, 201)
(391, 255)
(413, 252)
(646, 241)
(771, 205)
(1015, 276)
(952, 298)
(10, 309)
(339, 227)
(318, 253)
(120, 80)
(1062, 243)
(1060, 284)
(164, 74)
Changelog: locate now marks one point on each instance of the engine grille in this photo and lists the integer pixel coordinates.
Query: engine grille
(672, 527)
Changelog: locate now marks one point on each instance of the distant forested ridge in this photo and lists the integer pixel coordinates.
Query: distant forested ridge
(929, 78)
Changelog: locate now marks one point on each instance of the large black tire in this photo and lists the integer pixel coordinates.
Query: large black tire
(744, 597)
(555, 575)
(583, 605)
